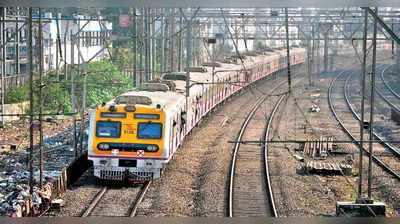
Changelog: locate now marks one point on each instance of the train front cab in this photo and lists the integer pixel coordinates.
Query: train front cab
(127, 143)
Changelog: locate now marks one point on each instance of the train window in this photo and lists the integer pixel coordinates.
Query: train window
(149, 130)
(183, 120)
(108, 129)
(112, 115)
(181, 77)
(147, 116)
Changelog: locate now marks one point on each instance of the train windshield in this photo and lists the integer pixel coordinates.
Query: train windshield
(149, 130)
(108, 129)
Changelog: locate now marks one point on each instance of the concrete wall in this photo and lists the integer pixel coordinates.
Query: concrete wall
(15, 108)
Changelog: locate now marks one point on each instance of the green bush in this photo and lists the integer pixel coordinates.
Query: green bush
(17, 94)
(104, 82)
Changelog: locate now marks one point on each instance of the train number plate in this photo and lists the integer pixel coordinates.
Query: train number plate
(129, 132)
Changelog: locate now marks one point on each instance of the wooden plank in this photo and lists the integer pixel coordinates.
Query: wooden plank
(305, 149)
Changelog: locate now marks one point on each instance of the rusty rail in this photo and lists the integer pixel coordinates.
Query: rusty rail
(94, 202)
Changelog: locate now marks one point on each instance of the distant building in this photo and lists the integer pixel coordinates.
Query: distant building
(91, 40)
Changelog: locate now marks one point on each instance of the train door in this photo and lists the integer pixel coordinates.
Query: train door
(205, 99)
(221, 89)
(202, 100)
(172, 135)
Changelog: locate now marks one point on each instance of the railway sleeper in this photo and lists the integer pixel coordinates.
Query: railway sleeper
(313, 167)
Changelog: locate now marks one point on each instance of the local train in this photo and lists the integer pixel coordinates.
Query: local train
(134, 135)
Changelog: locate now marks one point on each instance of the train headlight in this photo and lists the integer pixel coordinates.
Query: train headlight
(112, 108)
(103, 146)
(152, 148)
(130, 108)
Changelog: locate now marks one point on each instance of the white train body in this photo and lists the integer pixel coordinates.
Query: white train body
(132, 136)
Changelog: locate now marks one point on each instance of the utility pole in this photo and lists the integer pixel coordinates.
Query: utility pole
(244, 34)
(188, 49)
(318, 53)
(172, 40)
(162, 41)
(371, 117)
(3, 61)
(57, 64)
(149, 45)
(309, 70)
(153, 42)
(82, 128)
(78, 42)
(198, 46)
(180, 49)
(392, 44)
(363, 68)
(288, 50)
(58, 46)
(65, 52)
(141, 46)
(236, 33)
(30, 56)
(213, 68)
(166, 40)
(188, 54)
(194, 56)
(146, 44)
(16, 42)
(41, 96)
(134, 42)
(326, 42)
(74, 142)
(312, 65)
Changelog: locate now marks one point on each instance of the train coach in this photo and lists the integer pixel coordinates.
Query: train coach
(134, 135)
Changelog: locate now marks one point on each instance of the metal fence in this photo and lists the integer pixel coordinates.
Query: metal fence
(15, 80)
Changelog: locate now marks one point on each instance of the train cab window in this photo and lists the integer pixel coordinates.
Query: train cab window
(108, 129)
(149, 130)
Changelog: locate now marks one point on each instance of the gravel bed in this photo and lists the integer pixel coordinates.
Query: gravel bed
(195, 181)
(117, 201)
(78, 195)
(299, 194)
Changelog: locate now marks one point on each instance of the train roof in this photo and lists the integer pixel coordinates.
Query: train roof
(166, 99)
(170, 99)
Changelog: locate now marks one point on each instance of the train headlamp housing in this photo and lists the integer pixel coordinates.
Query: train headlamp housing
(103, 146)
(130, 108)
(112, 108)
(152, 148)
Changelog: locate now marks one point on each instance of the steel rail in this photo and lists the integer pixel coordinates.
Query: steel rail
(236, 149)
(237, 145)
(389, 88)
(265, 147)
(94, 202)
(139, 199)
(375, 159)
(392, 148)
(131, 212)
(383, 96)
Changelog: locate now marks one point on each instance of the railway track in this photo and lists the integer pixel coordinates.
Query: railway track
(346, 119)
(388, 86)
(387, 93)
(250, 190)
(392, 148)
(115, 201)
